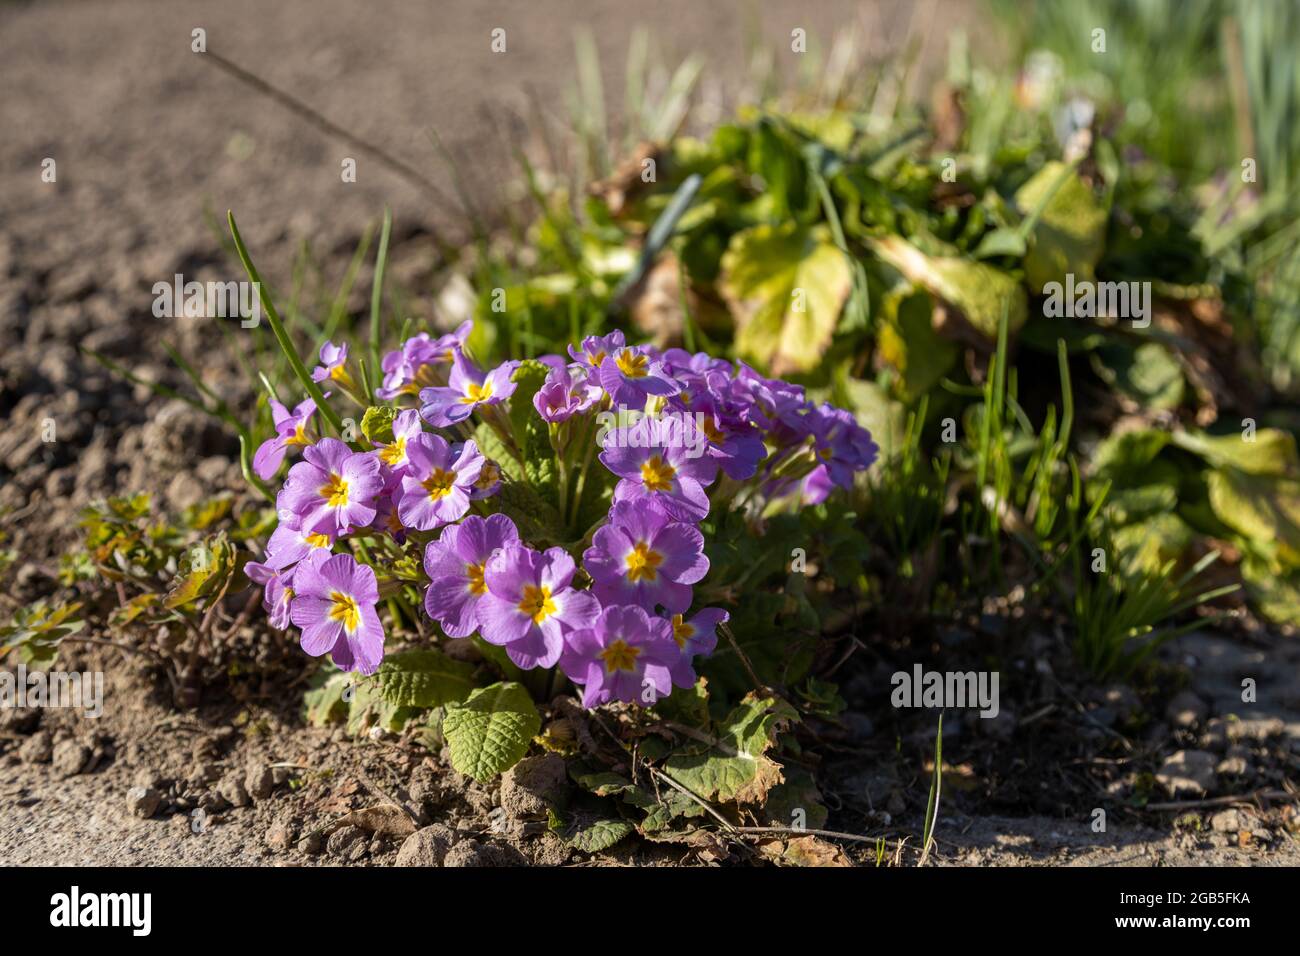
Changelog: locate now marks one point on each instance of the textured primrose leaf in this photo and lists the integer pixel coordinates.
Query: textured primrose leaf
(737, 767)
(786, 286)
(367, 707)
(1125, 457)
(979, 291)
(1070, 234)
(1263, 509)
(1153, 542)
(1277, 596)
(1148, 374)
(490, 444)
(489, 732)
(589, 833)
(424, 678)
(908, 342)
(325, 704)
(1271, 452)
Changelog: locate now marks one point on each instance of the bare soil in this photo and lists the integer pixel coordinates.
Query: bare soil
(151, 143)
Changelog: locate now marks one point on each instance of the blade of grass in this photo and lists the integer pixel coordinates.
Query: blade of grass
(273, 319)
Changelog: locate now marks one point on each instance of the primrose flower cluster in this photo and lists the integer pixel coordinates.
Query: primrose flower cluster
(677, 435)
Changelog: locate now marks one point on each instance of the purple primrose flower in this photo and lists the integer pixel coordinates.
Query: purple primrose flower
(334, 605)
(625, 654)
(455, 563)
(645, 558)
(530, 605)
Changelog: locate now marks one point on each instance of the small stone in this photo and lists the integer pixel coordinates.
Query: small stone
(426, 847)
(20, 720)
(280, 836)
(142, 802)
(1186, 710)
(1227, 821)
(533, 785)
(1255, 728)
(472, 853)
(1122, 699)
(259, 781)
(1216, 734)
(1237, 761)
(232, 791)
(70, 758)
(549, 850)
(1187, 771)
(342, 839)
(203, 773)
(311, 844)
(38, 748)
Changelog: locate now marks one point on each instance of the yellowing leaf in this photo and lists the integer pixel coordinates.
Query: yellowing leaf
(786, 286)
(1071, 231)
(1263, 509)
(979, 292)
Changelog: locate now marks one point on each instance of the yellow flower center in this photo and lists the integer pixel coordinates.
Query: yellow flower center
(344, 608)
(682, 632)
(439, 483)
(335, 491)
(477, 585)
(299, 437)
(825, 452)
(318, 540)
(476, 393)
(595, 358)
(712, 431)
(642, 562)
(632, 364)
(620, 656)
(537, 603)
(657, 474)
(395, 453)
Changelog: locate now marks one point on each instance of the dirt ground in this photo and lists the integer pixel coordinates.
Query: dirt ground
(151, 143)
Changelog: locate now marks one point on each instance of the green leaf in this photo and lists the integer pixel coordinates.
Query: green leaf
(1150, 544)
(377, 423)
(1264, 510)
(1270, 451)
(324, 702)
(737, 767)
(1149, 374)
(1125, 457)
(490, 732)
(875, 411)
(204, 571)
(908, 342)
(587, 832)
(1277, 596)
(979, 292)
(786, 286)
(491, 445)
(1070, 233)
(424, 678)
